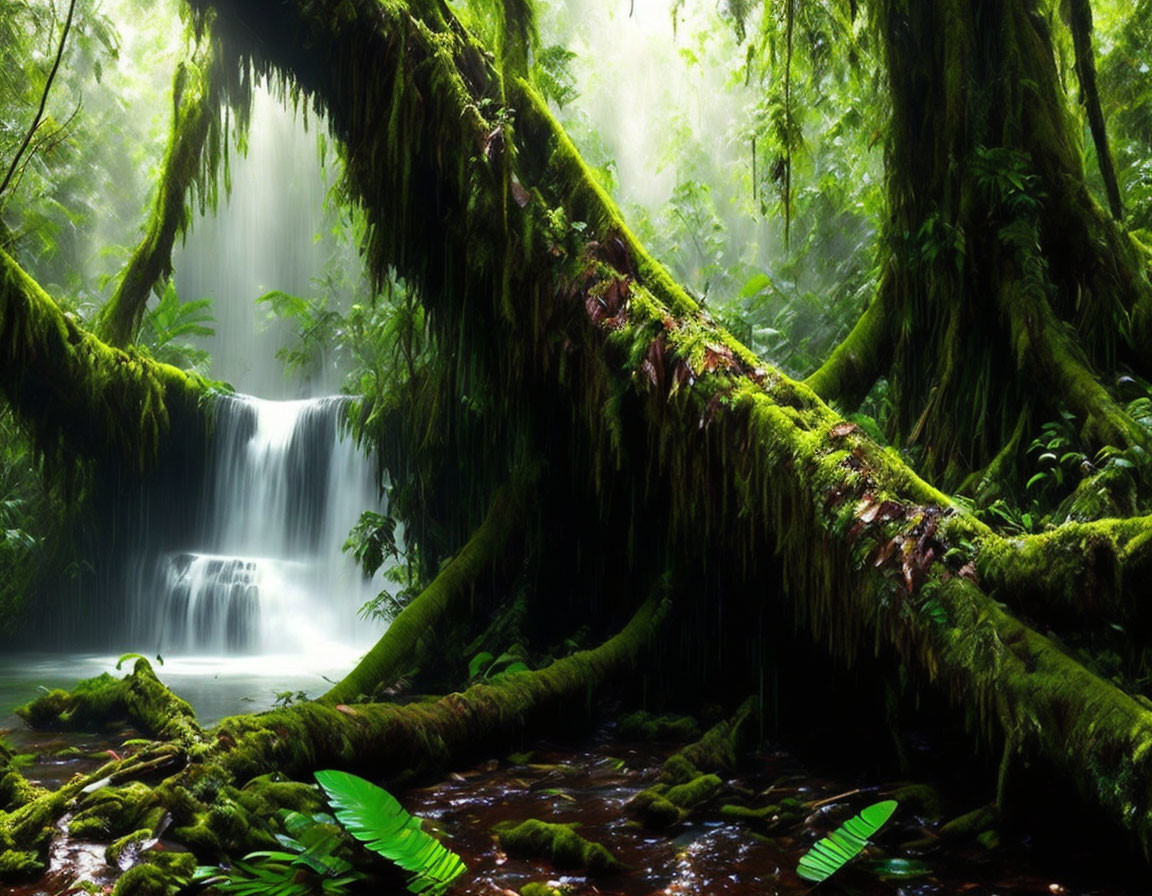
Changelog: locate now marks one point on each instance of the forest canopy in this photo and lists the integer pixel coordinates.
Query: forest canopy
(825, 345)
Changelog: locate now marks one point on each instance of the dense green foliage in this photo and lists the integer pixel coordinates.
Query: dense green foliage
(313, 857)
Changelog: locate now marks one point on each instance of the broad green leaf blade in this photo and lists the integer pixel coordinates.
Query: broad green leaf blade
(833, 852)
(376, 819)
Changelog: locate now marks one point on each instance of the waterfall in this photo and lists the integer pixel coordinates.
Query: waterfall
(263, 571)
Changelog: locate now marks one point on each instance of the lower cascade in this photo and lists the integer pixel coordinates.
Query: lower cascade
(264, 571)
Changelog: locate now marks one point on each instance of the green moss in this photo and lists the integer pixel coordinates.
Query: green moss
(692, 793)
(654, 809)
(641, 725)
(923, 799)
(971, 823)
(1090, 573)
(145, 880)
(47, 710)
(560, 843)
(15, 789)
(81, 397)
(721, 747)
(112, 812)
(540, 889)
(126, 847)
(265, 795)
(731, 812)
(16, 864)
(678, 769)
(139, 698)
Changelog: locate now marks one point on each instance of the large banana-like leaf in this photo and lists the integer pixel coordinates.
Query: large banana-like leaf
(845, 843)
(374, 817)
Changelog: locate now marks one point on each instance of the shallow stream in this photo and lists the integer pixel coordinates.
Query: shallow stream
(588, 783)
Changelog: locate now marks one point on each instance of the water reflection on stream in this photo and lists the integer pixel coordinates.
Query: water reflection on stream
(712, 857)
(588, 784)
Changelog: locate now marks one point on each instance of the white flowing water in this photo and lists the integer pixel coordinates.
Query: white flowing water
(265, 571)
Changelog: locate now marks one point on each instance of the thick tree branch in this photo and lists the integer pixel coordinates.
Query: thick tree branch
(1089, 575)
(80, 396)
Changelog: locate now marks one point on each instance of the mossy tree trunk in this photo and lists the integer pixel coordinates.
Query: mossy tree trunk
(1007, 294)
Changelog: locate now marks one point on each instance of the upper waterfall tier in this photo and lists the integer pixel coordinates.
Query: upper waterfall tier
(264, 570)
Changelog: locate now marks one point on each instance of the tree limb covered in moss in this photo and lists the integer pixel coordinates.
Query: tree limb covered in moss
(411, 633)
(1092, 574)
(79, 396)
(856, 363)
(422, 736)
(190, 159)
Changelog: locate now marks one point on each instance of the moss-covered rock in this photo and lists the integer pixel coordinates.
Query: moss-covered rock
(112, 812)
(923, 799)
(971, 824)
(662, 806)
(123, 851)
(642, 725)
(560, 843)
(720, 748)
(784, 812)
(265, 795)
(692, 793)
(145, 880)
(16, 864)
(654, 809)
(540, 889)
(138, 698)
(15, 789)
